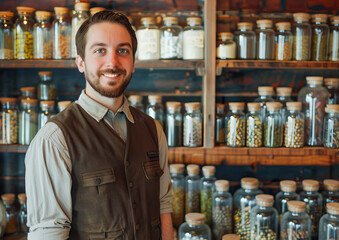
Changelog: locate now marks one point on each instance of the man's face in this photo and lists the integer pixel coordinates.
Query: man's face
(108, 63)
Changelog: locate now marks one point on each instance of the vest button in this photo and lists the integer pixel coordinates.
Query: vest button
(127, 163)
(130, 184)
(137, 227)
(98, 181)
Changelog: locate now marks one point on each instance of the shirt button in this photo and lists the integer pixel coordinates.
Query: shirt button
(137, 227)
(130, 184)
(98, 181)
(127, 163)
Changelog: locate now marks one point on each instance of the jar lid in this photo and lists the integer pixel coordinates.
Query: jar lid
(195, 218)
(303, 17)
(314, 79)
(22, 198)
(231, 237)
(288, 186)
(95, 10)
(331, 184)
(208, 171)
(192, 169)
(29, 101)
(220, 107)
(173, 105)
(22, 9)
(310, 185)
(193, 106)
(49, 103)
(81, 6)
(294, 106)
(134, 98)
(296, 206)
(245, 25)
(147, 20)
(225, 36)
(331, 110)
(236, 105)
(266, 90)
(8, 14)
(170, 20)
(283, 25)
(222, 185)
(193, 20)
(64, 104)
(331, 82)
(249, 183)
(264, 200)
(8, 198)
(45, 73)
(61, 10)
(273, 106)
(333, 208)
(335, 20)
(319, 18)
(264, 23)
(177, 168)
(28, 89)
(284, 91)
(42, 15)
(253, 106)
(6, 99)
(154, 99)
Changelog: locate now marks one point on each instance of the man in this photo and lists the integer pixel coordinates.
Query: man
(99, 169)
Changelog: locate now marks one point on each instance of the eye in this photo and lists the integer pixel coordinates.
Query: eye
(99, 51)
(123, 51)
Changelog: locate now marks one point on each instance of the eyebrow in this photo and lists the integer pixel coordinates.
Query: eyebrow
(99, 44)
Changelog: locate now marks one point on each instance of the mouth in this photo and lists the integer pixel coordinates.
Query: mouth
(111, 75)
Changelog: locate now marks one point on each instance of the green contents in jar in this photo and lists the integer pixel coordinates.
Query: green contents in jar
(319, 44)
(236, 131)
(264, 233)
(9, 127)
(295, 235)
(242, 222)
(24, 45)
(28, 127)
(192, 201)
(301, 48)
(294, 133)
(206, 204)
(222, 221)
(254, 132)
(272, 134)
(178, 205)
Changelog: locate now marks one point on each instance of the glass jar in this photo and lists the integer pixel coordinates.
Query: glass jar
(265, 95)
(236, 125)
(264, 218)
(284, 96)
(193, 39)
(221, 209)
(171, 39)
(295, 224)
(207, 189)
(46, 87)
(192, 125)
(320, 37)
(9, 121)
(174, 124)
(26, 93)
(333, 53)
(62, 105)
(42, 39)
(283, 41)
(136, 101)
(273, 126)
(225, 46)
(244, 201)
(314, 98)
(331, 126)
(286, 194)
(11, 212)
(178, 192)
(329, 223)
(61, 34)
(192, 189)
(80, 15)
(301, 37)
(148, 35)
(332, 85)
(294, 132)
(246, 41)
(95, 10)
(194, 228)
(220, 122)
(6, 35)
(22, 215)
(254, 126)
(28, 121)
(265, 40)
(23, 33)
(331, 192)
(3, 220)
(155, 109)
(46, 112)
(314, 201)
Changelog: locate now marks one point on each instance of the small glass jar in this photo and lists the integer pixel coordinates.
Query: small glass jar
(314, 98)
(9, 121)
(171, 39)
(28, 121)
(136, 101)
(11, 212)
(333, 53)
(3, 220)
(225, 46)
(148, 35)
(332, 85)
(46, 112)
(178, 192)
(221, 209)
(62, 105)
(192, 125)
(314, 201)
(80, 15)
(294, 132)
(193, 39)
(286, 194)
(194, 228)
(265, 40)
(244, 201)
(295, 224)
(283, 96)
(23, 33)
(254, 125)
(192, 189)
(155, 109)
(174, 124)
(207, 189)
(61, 34)
(265, 95)
(22, 215)
(6, 35)
(331, 192)
(246, 41)
(283, 41)
(302, 33)
(331, 126)
(220, 124)
(42, 39)
(273, 126)
(46, 87)
(26, 93)
(236, 125)
(320, 37)
(264, 218)
(329, 223)
(95, 10)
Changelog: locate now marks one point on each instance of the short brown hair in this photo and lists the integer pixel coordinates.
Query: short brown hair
(103, 16)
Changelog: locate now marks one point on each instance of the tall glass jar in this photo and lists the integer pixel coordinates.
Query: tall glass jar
(295, 224)
(225, 46)
(148, 35)
(332, 85)
(302, 33)
(265, 40)
(265, 95)
(264, 218)
(136, 101)
(80, 15)
(273, 126)
(244, 201)
(320, 37)
(254, 125)
(61, 34)
(246, 41)
(333, 53)
(46, 112)
(284, 96)
(62, 105)
(6, 35)
(171, 39)
(11, 212)
(294, 132)
(28, 121)
(23, 33)
(221, 210)
(155, 108)
(192, 125)
(46, 87)
(178, 192)
(220, 121)
(22, 215)
(283, 41)
(314, 201)
(42, 39)
(9, 121)
(329, 223)
(3, 220)
(314, 98)
(193, 39)
(194, 228)
(236, 125)
(207, 189)
(192, 189)
(331, 126)
(330, 193)
(286, 194)
(174, 124)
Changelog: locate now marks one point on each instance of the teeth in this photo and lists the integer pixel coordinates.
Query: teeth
(111, 75)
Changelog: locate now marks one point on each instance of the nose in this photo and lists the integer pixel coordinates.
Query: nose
(112, 60)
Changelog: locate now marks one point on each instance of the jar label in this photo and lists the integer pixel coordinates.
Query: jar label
(193, 44)
(226, 51)
(148, 44)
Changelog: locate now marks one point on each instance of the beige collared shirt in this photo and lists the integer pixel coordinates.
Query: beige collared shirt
(49, 167)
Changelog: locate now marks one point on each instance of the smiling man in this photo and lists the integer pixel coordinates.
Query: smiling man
(99, 169)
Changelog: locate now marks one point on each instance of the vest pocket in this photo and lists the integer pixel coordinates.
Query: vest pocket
(152, 170)
(97, 178)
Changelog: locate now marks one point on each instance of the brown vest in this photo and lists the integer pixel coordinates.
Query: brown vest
(115, 188)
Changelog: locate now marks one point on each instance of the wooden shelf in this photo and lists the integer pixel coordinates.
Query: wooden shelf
(13, 148)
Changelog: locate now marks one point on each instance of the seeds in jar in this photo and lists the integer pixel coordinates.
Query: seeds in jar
(24, 45)
(206, 204)
(254, 132)
(178, 204)
(264, 233)
(236, 131)
(242, 222)
(287, 234)
(192, 201)
(294, 133)
(221, 221)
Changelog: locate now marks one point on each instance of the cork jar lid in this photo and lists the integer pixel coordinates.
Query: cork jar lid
(288, 186)
(314, 79)
(64, 104)
(283, 25)
(303, 17)
(264, 23)
(81, 6)
(22, 9)
(42, 15)
(249, 183)
(170, 20)
(266, 90)
(61, 10)
(335, 20)
(49, 103)
(29, 101)
(195, 218)
(22, 198)
(6, 99)
(8, 198)
(177, 168)
(310, 185)
(173, 105)
(319, 18)
(28, 89)
(245, 25)
(331, 82)
(296, 206)
(7, 14)
(192, 169)
(222, 185)
(193, 21)
(45, 73)
(95, 10)
(332, 108)
(236, 106)
(192, 106)
(331, 184)
(284, 91)
(294, 106)
(220, 107)
(253, 106)
(134, 98)
(273, 106)
(154, 99)
(231, 237)
(225, 36)
(333, 208)
(264, 200)
(208, 171)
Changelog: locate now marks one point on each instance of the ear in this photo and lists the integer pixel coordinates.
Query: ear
(80, 63)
